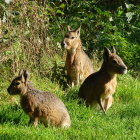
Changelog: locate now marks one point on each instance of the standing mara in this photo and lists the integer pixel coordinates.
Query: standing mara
(78, 65)
(100, 86)
(39, 105)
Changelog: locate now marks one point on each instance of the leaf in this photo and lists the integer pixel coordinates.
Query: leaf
(129, 16)
(59, 12)
(129, 6)
(62, 5)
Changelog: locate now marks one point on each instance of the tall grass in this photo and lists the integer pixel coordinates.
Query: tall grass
(26, 40)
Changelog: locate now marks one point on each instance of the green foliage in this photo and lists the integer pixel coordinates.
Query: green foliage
(31, 33)
(118, 26)
(58, 74)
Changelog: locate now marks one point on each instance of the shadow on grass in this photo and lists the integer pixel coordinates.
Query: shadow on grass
(130, 111)
(14, 136)
(12, 114)
(71, 94)
(58, 75)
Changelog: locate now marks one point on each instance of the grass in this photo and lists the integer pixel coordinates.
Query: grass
(122, 121)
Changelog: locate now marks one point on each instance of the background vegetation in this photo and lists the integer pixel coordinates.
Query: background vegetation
(30, 36)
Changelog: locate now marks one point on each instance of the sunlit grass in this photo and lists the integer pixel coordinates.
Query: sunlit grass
(121, 122)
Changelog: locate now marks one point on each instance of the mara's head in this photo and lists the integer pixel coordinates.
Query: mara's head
(113, 63)
(19, 84)
(71, 39)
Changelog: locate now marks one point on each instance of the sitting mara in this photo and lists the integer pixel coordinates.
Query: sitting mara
(39, 105)
(100, 86)
(78, 65)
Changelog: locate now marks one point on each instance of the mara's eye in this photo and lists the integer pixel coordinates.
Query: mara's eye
(17, 83)
(114, 61)
(72, 37)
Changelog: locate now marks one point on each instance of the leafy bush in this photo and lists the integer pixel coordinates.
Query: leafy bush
(31, 33)
(117, 25)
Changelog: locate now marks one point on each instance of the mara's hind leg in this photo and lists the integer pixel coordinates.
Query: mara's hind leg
(65, 124)
(108, 103)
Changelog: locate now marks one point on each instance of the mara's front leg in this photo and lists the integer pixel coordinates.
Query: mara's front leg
(100, 102)
(108, 103)
(77, 81)
(34, 121)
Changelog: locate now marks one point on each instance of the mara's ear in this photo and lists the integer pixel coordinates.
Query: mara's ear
(20, 72)
(106, 54)
(26, 76)
(78, 31)
(113, 50)
(69, 28)
(23, 74)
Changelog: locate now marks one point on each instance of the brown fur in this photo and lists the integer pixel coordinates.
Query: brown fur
(0, 29)
(78, 65)
(100, 86)
(39, 105)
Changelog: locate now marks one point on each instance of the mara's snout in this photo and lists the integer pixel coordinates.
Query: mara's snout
(119, 68)
(63, 44)
(8, 90)
(123, 70)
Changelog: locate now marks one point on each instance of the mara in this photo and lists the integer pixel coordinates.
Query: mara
(100, 86)
(78, 65)
(40, 106)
